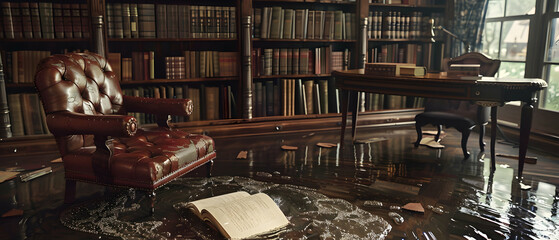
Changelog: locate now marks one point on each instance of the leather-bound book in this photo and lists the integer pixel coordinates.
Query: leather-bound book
(46, 16)
(67, 16)
(134, 31)
(161, 20)
(109, 21)
(126, 32)
(35, 19)
(232, 23)
(172, 21)
(17, 20)
(76, 20)
(118, 20)
(16, 116)
(58, 20)
(85, 21)
(26, 24)
(146, 20)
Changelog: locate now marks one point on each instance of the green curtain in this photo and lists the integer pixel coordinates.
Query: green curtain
(469, 19)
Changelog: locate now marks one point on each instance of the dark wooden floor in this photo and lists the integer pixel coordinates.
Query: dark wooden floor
(474, 202)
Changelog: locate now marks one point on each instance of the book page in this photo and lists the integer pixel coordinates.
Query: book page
(201, 204)
(247, 217)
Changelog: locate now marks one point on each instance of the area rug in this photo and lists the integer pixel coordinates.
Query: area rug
(311, 214)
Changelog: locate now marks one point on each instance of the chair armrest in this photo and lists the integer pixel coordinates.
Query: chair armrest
(158, 106)
(69, 123)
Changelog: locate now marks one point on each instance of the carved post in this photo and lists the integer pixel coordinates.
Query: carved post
(5, 126)
(362, 44)
(246, 67)
(98, 39)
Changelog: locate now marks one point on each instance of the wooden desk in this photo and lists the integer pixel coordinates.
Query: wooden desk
(491, 92)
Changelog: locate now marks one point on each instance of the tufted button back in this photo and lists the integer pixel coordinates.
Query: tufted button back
(78, 83)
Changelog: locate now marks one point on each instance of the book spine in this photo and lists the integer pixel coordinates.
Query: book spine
(76, 21)
(35, 20)
(7, 20)
(85, 21)
(27, 26)
(67, 16)
(110, 22)
(17, 20)
(126, 28)
(118, 20)
(146, 20)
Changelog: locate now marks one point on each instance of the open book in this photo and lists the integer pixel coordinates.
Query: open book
(240, 215)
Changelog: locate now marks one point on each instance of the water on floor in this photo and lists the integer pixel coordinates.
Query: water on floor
(357, 192)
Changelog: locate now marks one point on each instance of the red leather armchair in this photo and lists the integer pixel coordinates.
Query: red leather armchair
(99, 143)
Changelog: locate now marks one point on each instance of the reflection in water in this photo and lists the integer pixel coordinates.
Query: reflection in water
(309, 212)
(463, 199)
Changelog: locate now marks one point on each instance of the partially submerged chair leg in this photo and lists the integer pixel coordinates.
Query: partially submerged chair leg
(209, 166)
(465, 136)
(481, 134)
(152, 197)
(439, 130)
(419, 134)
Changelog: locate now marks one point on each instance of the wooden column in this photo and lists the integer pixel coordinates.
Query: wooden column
(98, 40)
(246, 51)
(362, 43)
(98, 36)
(5, 126)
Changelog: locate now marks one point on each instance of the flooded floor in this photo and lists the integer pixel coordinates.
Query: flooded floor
(355, 192)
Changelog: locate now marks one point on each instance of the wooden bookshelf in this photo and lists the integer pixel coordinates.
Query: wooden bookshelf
(243, 41)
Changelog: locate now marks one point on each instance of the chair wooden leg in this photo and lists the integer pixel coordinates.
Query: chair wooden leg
(70, 191)
(419, 134)
(439, 130)
(481, 135)
(209, 166)
(465, 136)
(152, 197)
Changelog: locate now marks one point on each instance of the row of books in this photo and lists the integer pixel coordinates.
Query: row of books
(294, 61)
(278, 23)
(288, 97)
(139, 67)
(131, 20)
(44, 20)
(27, 116)
(399, 53)
(193, 64)
(210, 102)
(20, 66)
(401, 25)
(405, 2)
(196, 64)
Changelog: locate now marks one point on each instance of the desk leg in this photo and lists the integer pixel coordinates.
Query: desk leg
(354, 97)
(525, 125)
(493, 135)
(344, 115)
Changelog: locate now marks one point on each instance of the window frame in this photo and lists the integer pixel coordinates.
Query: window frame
(535, 64)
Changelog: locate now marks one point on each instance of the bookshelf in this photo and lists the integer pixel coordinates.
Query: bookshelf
(240, 59)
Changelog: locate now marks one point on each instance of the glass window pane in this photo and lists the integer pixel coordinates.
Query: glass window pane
(520, 7)
(553, 48)
(490, 39)
(495, 8)
(552, 92)
(514, 40)
(511, 70)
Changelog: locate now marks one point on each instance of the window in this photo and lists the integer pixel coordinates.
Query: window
(524, 35)
(506, 32)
